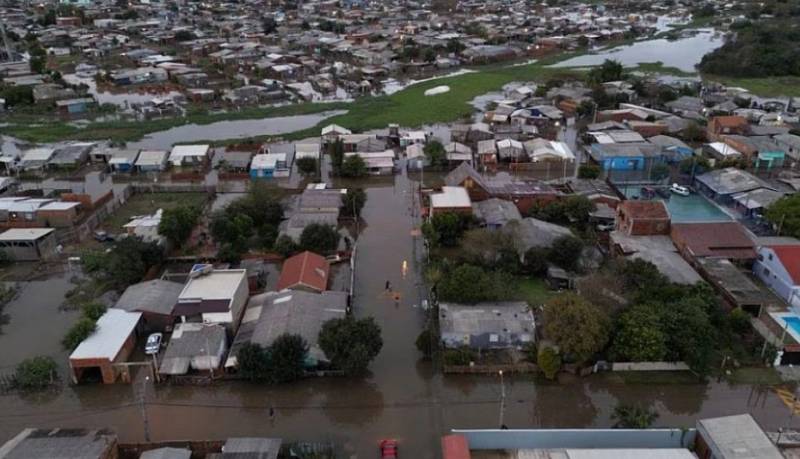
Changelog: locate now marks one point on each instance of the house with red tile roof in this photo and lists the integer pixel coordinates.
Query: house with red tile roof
(719, 126)
(778, 266)
(713, 240)
(304, 271)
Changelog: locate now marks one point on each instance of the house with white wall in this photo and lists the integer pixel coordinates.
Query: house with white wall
(778, 266)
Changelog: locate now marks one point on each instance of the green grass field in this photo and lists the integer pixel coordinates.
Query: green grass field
(148, 203)
(767, 87)
(534, 291)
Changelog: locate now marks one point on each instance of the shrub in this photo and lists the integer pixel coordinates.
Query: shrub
(35, 373)
(740, 321)
(319, 238)
(588, 171)
(307, 165)
(78, 332)
(351, 344)
(459, 357)
(93, 311)
(424, 343)
(549, 362)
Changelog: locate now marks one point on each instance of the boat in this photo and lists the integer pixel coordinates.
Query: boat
(679, 189)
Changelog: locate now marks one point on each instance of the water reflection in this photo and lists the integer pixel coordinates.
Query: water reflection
(683, 53)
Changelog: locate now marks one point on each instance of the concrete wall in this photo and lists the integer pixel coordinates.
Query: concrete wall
(578, 438)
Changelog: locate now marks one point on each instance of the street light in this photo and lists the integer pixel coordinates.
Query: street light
(502, 399)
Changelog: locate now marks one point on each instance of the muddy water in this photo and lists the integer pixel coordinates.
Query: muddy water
(224, 130)
(403, 398)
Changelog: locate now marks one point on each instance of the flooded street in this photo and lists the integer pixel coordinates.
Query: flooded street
(403, 397)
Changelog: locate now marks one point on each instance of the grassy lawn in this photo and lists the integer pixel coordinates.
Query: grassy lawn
(534, 291)
(767, 87)
(147, 203)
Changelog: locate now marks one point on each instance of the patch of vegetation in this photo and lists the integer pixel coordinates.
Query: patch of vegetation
(177, 223)
(319, 238)
(35, 374)
(250, 221)
(784, 214)
(633, 417)
(124, 264)
(148, 203)
(351, 344)
(756, 50)
(281, 362)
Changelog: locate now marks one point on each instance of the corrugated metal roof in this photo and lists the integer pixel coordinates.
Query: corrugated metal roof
(113, 329)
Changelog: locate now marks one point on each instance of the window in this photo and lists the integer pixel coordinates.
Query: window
(766, 272)
(770, 257)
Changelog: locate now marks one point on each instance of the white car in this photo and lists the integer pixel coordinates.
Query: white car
(678, 189)
(153, 344)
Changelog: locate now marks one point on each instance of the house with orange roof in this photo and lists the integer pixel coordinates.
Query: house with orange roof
(304, 271)
(720, 126)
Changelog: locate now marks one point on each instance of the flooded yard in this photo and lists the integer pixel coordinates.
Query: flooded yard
(36, 323)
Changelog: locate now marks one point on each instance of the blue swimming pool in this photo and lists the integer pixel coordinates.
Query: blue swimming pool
(686, 209)
(694, 208)
(793, 322)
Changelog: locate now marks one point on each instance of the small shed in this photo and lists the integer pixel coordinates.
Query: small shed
(112, 342)
(199, 346)
(29, 244)
(123, 160)
(151, 160)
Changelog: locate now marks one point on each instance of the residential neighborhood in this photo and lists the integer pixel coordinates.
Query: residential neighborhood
(382, 229)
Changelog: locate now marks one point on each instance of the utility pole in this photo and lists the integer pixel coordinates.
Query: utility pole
(143, 407)
(502, 399)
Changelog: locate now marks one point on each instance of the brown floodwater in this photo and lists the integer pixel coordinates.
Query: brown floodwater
(402, 398)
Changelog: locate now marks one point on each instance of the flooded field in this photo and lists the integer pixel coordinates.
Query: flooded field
(403, 397)
(683, 53)
(224, 130)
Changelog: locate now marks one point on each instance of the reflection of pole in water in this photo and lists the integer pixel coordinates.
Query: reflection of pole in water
(502, 398)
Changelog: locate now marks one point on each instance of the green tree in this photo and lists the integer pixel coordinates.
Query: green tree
(444, 229)
(468, 284)
(285, 246)
(319, 238)
(353, 201)
(784, 214)
(549, 361)
(436, 154)
(424, 342)
(337, 155)
(351, 344)
(639, 336)
(307, 165)
(566, 252)
(638, 274)
(633, 417)
(588, 171)
(354, 167)
(177, 223)
(534, 262)
(126, 263)
(287, 358)
(17, 95)
(253, 362)
(740, 321)
(609, 70)
(35, 373)
(78, 332)
(226, 228)
(579, 328)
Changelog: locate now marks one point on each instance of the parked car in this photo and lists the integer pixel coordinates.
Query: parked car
(678, 189)
(102, 236)
(388, 449)
(153, 344)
